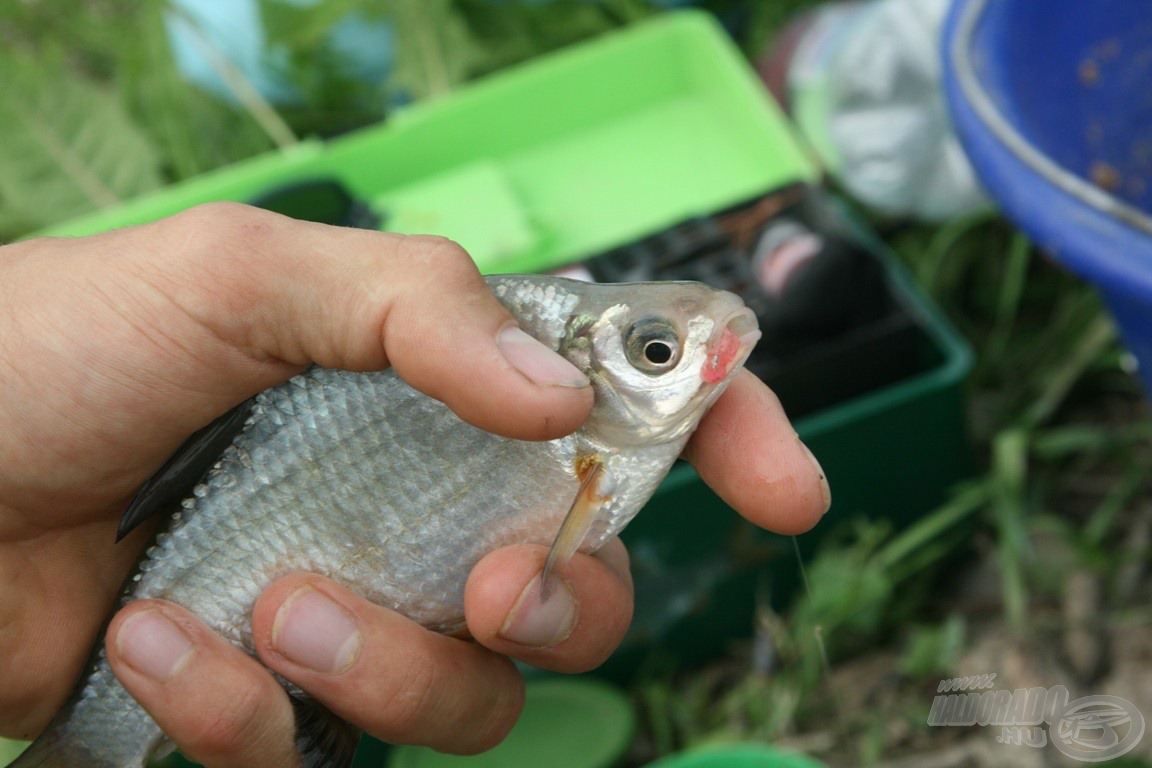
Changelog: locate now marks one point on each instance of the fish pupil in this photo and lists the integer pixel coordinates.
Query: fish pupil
(657, 352)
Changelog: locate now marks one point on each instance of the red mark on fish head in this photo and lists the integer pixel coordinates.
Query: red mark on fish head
(721, 355)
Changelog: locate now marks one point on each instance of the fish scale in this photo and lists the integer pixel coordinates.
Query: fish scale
(358, 477)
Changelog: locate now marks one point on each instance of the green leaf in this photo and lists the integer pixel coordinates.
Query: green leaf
(303, 48)
(512, 31)
(435, 50)
(193, 131)
(69, 147)
(308, 25)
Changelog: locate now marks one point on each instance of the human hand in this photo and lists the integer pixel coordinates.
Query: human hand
(114, 348)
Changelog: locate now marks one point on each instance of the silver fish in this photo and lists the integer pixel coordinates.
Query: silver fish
(361, 478)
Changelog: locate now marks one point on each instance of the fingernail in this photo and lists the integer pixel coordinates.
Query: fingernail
(541, 623)
(537, 362)
(153, 645)
(825, 489)
(315, 632)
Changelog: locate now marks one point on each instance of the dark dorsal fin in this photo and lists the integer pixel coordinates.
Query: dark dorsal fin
(322, 739)
(186, 467)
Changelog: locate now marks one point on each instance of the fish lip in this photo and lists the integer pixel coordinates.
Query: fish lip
(730, 345)
(744, 325)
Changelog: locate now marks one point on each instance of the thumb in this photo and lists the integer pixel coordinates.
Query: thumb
(299, 293)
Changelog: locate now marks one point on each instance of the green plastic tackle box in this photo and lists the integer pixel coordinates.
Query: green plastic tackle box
(581, 151)
(548, 162)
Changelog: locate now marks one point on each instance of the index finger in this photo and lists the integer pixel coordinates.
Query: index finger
(747, 451)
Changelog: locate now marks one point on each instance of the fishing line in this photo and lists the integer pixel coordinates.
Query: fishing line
(817, 630)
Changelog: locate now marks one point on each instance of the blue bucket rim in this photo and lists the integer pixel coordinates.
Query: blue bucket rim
(982, 104)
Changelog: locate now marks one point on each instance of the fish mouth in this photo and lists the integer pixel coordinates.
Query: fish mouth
(730, 346)
(744, 326)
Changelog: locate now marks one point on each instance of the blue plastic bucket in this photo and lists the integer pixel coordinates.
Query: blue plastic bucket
(1053, 103)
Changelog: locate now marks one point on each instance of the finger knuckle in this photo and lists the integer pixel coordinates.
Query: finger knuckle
(427, 706)
(439, 248)
(411, 702)
(443, 260)
(496, 716)
(222, 254)
(222, 240)
(221, 222)
(226, 728)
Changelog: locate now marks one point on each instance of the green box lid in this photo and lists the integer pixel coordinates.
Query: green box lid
(548, 162)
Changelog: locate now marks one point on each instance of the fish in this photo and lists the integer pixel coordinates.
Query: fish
(363, 479)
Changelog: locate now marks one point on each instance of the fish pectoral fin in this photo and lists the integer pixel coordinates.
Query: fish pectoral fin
(575, 527)
(187, 466)
(322, 739)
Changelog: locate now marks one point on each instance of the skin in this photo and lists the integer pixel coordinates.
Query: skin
(114, 348)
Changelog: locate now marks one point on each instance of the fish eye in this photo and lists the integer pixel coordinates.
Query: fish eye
(653, 346)
(658, 352)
